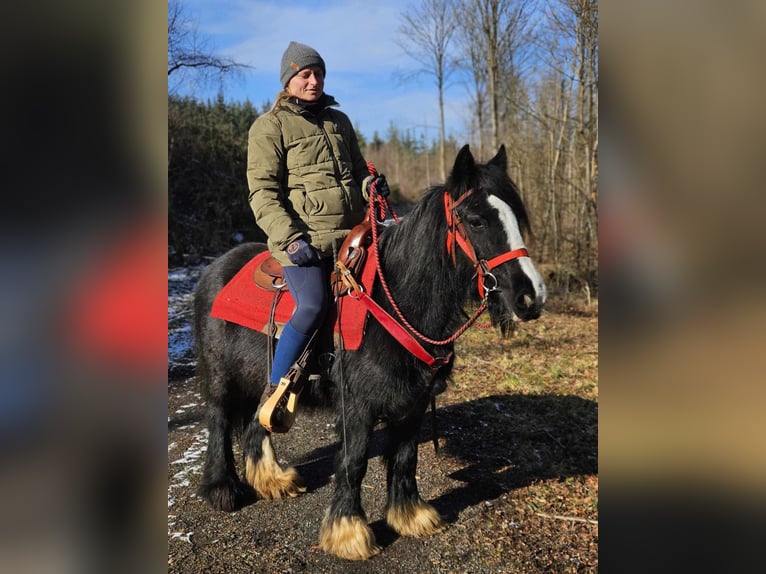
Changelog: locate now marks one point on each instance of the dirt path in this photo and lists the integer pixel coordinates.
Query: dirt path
(515, 476)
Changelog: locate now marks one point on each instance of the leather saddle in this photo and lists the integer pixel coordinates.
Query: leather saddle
(269, 275)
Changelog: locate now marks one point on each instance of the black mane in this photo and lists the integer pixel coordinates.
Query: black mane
(427, 286)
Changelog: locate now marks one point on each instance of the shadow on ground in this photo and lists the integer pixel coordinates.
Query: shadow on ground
(513, 441)
(507, 441)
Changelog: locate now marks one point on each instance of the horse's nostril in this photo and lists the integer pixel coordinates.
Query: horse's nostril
(524, 301)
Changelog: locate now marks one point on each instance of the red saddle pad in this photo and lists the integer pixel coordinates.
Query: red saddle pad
(243, 302)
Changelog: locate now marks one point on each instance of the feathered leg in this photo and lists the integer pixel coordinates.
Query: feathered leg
(262, 471)
(220, 485)
(344, 530)
(406, 512)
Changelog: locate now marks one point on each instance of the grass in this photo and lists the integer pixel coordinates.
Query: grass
(522, 413)
(558, 354)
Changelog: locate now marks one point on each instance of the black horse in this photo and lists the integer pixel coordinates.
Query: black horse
(381, 381)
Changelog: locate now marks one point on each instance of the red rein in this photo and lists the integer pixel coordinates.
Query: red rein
(456, 235)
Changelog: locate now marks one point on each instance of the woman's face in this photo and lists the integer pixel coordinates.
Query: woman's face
(307, 85)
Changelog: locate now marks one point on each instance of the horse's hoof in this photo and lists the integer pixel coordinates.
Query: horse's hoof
(228, 495)
(272, 482)
(269, 479)
(419, 519)
(348, 537)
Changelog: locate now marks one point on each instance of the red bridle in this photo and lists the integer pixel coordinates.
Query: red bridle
(456, 234)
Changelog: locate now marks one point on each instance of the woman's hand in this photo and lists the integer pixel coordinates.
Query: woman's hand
(301, 253)
(381, 186)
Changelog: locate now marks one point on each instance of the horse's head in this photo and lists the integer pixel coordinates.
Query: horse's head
(489, 209)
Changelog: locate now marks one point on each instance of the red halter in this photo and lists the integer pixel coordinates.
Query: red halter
(456, 234)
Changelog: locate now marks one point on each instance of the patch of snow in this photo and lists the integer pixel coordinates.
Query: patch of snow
(181, 284)
(191, 458)
(196, 449)
(183, 536)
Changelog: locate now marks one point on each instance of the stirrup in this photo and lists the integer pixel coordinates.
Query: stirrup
(277, 414)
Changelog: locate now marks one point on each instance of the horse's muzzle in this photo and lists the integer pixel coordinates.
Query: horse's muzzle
(527, 307)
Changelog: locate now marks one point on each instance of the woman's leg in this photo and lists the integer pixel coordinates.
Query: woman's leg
(309, 287)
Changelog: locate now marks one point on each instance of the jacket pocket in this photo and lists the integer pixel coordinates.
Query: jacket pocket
(310, 207)
(325, 202)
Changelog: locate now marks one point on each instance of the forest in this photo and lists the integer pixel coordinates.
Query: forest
(534, 88)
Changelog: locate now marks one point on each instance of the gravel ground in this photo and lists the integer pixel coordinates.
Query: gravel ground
(515, 476)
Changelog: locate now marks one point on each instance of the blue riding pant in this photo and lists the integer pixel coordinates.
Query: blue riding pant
(310, 289)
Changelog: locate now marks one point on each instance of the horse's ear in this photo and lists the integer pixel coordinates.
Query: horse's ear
(464, 169)
(500, 159)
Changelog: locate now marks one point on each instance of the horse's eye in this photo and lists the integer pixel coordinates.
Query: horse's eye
(475, 222)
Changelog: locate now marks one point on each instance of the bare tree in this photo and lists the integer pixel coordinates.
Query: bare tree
(425, 35)
(496, 35)
(472, 59)
(586, 41)
(572, 46)
(188, 57)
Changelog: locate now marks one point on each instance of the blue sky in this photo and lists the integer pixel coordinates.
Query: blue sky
(357, 40)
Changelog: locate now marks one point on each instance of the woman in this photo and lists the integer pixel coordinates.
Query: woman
(309, 185)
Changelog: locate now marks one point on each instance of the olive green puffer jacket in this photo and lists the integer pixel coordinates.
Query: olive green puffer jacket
(306, 176)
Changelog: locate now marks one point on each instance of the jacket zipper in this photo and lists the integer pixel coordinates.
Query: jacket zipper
(334, 160)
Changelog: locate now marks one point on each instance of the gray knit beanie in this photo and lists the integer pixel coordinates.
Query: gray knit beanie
(296, 57)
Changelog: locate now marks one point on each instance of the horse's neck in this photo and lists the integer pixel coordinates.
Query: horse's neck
(424, 283)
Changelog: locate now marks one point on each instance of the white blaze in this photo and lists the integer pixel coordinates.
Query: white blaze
(515, 241)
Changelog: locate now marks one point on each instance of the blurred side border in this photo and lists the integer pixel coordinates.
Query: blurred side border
(681, 431)
(83, 338)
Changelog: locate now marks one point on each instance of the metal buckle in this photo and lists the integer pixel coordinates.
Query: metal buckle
(483, 273)
(488, 290)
